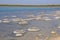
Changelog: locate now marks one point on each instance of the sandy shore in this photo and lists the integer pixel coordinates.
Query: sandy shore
(54, 38)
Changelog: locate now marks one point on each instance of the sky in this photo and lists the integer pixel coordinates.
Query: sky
(30, 2)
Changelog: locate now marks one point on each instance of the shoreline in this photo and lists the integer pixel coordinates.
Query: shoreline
(12, 5)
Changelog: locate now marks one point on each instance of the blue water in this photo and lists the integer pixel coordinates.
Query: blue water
(21, 12)
(13, 9)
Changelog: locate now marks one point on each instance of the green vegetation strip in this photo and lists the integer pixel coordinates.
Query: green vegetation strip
(30, 5)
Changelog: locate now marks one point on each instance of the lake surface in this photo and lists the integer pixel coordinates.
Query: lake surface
(22, 12)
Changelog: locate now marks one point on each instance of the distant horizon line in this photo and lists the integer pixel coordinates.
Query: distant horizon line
(21, 5)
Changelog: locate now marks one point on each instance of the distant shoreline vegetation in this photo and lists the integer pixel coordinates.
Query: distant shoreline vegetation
(29, 5)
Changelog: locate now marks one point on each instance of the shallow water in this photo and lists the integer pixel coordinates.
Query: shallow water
(22, 12)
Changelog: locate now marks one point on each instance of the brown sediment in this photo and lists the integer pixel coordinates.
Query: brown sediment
(54, 38)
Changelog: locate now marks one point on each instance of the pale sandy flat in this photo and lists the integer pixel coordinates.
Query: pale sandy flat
(54, 38)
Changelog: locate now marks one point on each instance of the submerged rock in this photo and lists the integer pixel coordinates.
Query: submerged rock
(33, 29)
